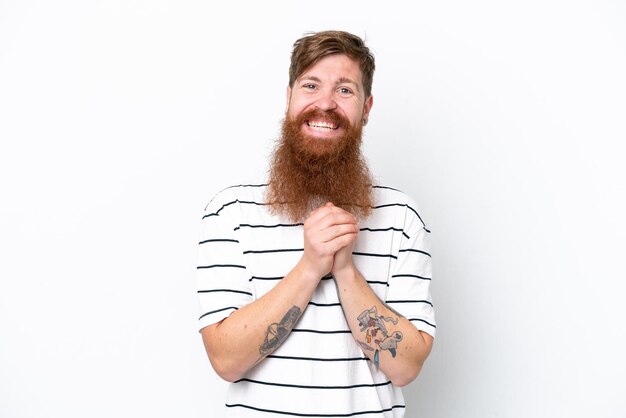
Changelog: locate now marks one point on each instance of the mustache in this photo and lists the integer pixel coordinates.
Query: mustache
(327, 115)
(306, 173)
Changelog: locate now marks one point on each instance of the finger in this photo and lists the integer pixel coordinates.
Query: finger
(327, 231)
(341, 242)
(317, 210)
(337, 231)
(325, 205)
(319, 225)
(333, 219)
(334, 216)
(325, 210)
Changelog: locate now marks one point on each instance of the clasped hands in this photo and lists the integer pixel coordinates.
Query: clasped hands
(329, 236)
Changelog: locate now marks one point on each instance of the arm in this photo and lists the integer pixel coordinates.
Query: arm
(248, 335)
(386, 337)
(243, 339)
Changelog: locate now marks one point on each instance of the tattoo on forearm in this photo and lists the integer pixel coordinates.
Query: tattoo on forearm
(277, 333)
(365, 347)
(376, 332)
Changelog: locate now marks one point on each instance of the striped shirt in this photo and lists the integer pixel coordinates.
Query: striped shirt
(320, 370)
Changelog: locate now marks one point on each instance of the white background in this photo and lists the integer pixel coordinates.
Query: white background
(120, 119)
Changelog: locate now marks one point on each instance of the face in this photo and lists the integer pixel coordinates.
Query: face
(333, 85)
(318, 158)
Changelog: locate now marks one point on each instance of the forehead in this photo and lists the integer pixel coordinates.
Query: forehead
(334, 67)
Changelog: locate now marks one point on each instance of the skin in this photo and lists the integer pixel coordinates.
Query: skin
(233, 345)
(356, 296)
(248, 335)
(333, 83)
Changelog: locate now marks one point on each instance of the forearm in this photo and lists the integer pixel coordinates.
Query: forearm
(249, 334)
(397, 347)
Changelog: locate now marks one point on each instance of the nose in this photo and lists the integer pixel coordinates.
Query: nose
(326, 101)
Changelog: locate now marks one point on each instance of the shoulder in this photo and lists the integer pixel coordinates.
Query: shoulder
(392, 198)
(253, 192)
(385, 195)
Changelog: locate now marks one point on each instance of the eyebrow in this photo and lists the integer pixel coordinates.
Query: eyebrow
(347, 80)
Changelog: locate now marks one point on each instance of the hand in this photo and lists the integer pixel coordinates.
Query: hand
(343, 257)
(327, 230)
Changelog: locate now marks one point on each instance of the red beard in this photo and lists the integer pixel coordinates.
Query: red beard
(307, 172)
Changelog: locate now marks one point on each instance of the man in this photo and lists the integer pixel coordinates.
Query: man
(314, 287)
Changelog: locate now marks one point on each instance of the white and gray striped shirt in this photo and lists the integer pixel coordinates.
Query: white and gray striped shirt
(320, 370)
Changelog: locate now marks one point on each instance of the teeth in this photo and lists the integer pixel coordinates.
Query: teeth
(322, 125)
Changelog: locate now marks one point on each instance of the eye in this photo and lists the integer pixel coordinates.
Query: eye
(309, 86)
(344, 91)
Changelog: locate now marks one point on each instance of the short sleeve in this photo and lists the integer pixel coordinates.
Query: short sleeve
(409, 285)
(223, 284)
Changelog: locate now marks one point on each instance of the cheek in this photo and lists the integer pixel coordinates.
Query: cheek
(302, 104)
(299, 102)
(295, 109)
(353, 113)
(354, 118)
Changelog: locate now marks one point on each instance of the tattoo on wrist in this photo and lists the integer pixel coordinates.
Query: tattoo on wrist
(277, 333)
(377, 336)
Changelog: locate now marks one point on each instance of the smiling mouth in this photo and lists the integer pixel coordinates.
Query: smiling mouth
(322, 126)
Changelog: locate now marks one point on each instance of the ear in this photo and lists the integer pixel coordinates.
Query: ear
(288, 98)
(369, 102)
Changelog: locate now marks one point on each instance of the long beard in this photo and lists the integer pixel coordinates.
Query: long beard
(308, 172)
